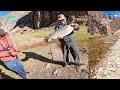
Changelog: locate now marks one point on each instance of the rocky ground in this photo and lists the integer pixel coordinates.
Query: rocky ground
(109, 67)
(46, 62)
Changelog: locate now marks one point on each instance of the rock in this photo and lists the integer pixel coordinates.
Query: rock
(109, 68)
(84, 75)
(24, 19)
(112, 69)
(46, 18)
(47, 66)
(81, 68)
(115, 25)
(42, 19)
(97, 23)
(56, 72)
(83, 50)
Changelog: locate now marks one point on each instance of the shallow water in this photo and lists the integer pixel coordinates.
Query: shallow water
(98, 47)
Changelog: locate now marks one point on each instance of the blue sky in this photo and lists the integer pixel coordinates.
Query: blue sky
(2, 13)
(116, 13)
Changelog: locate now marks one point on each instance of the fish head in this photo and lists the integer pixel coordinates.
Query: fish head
(51, 39)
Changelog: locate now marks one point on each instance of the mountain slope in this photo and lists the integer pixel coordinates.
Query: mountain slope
(23, 18)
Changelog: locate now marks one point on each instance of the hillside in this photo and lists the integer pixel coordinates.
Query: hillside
(97, 22)
(23, 20)
(31, 20)
(115, 25)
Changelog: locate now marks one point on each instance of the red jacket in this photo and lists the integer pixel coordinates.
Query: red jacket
(6, 41)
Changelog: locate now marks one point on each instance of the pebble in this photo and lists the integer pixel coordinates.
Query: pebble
(56, 72)
(47, 66)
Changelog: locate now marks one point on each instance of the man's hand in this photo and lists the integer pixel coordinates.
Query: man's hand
(13, 53)
(75, 25)
(59, 37)
(20, 53)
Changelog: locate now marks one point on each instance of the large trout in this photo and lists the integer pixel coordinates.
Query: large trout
(61, 32)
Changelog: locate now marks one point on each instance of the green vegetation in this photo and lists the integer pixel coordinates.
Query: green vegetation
(81, 37)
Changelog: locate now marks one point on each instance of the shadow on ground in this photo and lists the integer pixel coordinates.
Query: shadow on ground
(2, 74)
(40, 57)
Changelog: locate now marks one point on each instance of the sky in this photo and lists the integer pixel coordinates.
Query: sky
(116, 13)
(2, 13)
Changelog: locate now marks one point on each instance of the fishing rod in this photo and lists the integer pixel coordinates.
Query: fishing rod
(46, 41)
(9, 32)
(72, 21)
(50, 51)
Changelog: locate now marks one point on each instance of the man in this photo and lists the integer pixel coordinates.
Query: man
(68, 42)
(8, 54)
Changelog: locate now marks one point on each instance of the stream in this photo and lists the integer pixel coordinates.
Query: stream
(98, 47)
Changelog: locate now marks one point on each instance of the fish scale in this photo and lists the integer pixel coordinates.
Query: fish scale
(61, 32)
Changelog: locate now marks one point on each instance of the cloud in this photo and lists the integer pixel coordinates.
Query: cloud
(116, 15)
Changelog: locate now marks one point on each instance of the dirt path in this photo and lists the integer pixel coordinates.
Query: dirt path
(38, 61)
(46, 68)
(109, 67)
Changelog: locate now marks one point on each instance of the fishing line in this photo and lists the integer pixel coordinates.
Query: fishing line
(50, 51)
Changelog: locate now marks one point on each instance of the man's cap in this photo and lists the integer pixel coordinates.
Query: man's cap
(61, 17)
